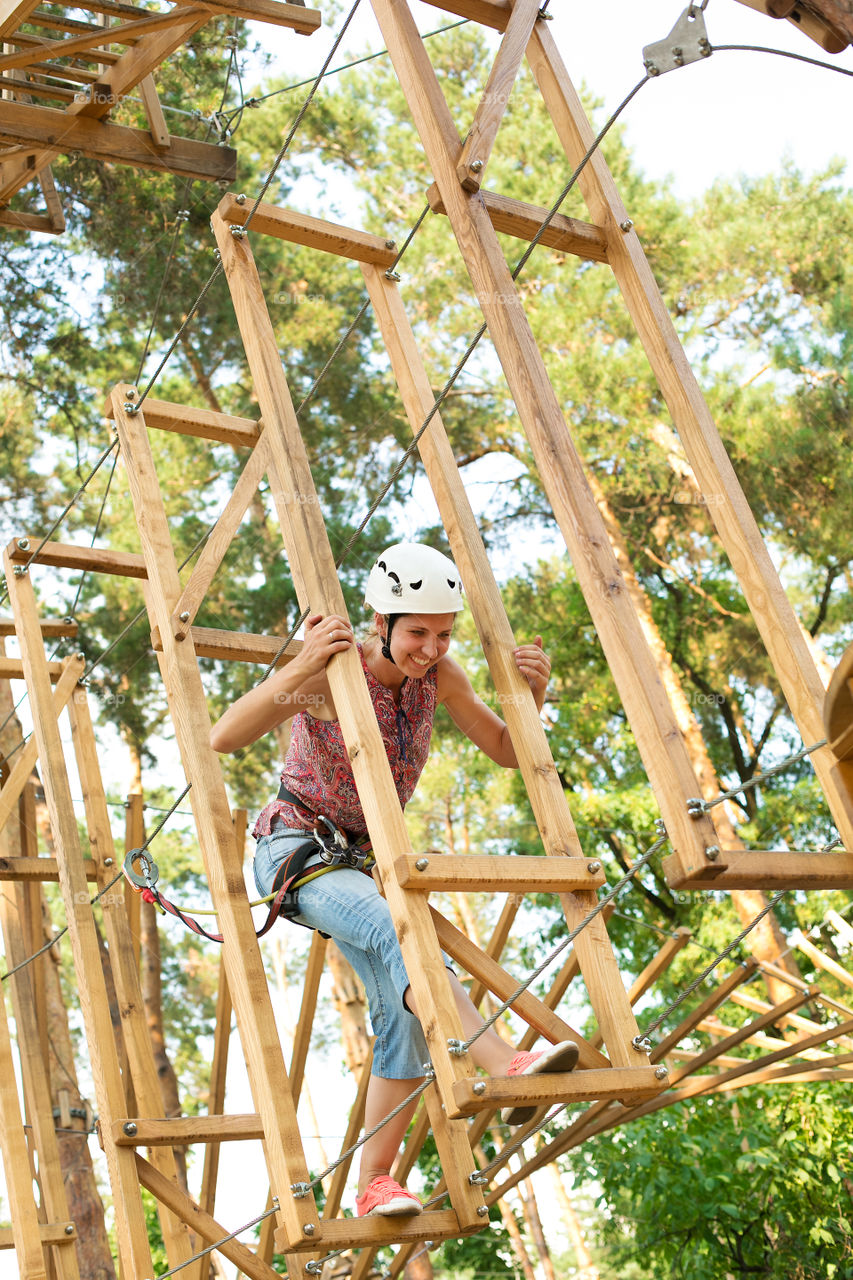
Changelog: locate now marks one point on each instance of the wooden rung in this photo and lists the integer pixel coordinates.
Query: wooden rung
(34, 869)
(54, 630)
(634, 1083)
(64, 555)
(49, 1233)
(239, 646)
(205, 424)
(300, 19)
(12, 669)
(522, 220)
(357, 1233)
(184, 1131)
(773, 870)
(314, 233)
(510, 874)
(489, 13)
(838, 707)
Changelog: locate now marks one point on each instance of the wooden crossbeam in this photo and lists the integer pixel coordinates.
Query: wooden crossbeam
(314, 233)
(204, 424)
(472, 873)
(33, 870)
(13, 13)
(125, 33)
(524, 221)
(489, 13)
(748, 869)
(234, 646)
(65, 555)
(546, 1090)
(186, 1131)
(26, 124)
(52, 1233)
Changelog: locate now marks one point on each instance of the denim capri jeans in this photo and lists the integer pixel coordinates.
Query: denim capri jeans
(347, 905)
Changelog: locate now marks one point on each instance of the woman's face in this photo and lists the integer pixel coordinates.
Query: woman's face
(419, 640)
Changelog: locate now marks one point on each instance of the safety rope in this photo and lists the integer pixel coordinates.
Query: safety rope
(232, 1235)
(760, 777)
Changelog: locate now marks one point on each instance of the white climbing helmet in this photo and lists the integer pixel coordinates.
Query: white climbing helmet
(411, 577)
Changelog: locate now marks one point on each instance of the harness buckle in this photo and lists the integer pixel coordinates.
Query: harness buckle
(335, 848)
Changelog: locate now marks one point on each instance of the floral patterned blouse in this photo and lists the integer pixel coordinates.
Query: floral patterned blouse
(317, 768)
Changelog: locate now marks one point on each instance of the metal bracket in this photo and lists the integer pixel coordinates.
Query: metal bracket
(687, 42)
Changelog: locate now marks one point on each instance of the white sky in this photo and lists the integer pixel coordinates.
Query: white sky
(733, 113)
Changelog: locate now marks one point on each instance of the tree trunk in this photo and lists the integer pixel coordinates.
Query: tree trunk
(587, 1270)
(534, 1226)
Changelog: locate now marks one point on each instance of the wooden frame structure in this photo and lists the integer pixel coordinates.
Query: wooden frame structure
(612, 1074)
(82, 70)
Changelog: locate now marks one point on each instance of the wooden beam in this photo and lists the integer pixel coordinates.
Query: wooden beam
(358, 1233)
(522, 220)
(123, 33)
(838, 707)
(546, 1090)
(14, 13)
(64, 555)
(205, 424)
(489, 13)
(473, 873)
(157, 126)
(34, 870)
(28, 125)
(477, 147)
(51, 1233)
(748, 869)
(26, 758)
(52, 630)
(187, 1131)
(298, 18)
(234, 646)
(314, 233)
(821, 961)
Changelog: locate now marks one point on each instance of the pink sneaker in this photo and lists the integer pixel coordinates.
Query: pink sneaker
(384, 1197)
(554, 1059)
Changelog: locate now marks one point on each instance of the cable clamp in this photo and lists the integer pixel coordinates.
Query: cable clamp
(478, 1179)
(687, 42)
(695, 806)
(642, 1044)
(394, 276)
(456, 1048)
(300, 1189)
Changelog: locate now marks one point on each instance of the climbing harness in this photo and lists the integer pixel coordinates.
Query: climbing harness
(335, 848)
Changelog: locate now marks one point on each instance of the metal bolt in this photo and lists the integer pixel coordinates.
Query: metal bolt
(308, 1228)
(23, 543)
(480, 1088)
(19, 570)
(695, 806)
(705, 47)
(482, 1211)
(393, 276)
(390, 244)
(241, 198)
(650, 66)
(428, 1069)
(129, 1127)
(593, 866)
(69, 1229)
(276, 1202)
(185, 616)
(299, 1189)
(237, 232)
(422, 864)
(626, 225)
(429, 1244)
(712, 852)
(108, 862)
(131, 393)
(661, 1073)
(130, 408)
(660, 826)
(475, 166)
(217, 253)
(678, 56)
(456, 1048)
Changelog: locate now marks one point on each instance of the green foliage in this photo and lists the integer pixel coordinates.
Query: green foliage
(758, 1184)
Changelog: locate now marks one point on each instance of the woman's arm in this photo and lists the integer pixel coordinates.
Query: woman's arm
(299, 686)
(477, 721)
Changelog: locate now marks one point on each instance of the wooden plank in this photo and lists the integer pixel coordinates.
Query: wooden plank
(14, 13)
(523, 221)
(204, 424)
(16, 1166)
(544, 789)
(157, 126)
(748, 869)
(301, 19)
(10, 668)
(747, 1032)
(50, 1233)
(33, 870)
(501, 984)
(188, 704)
(780, 630)
(315, 578)
(838, 707)
(314, 233)
(55, 213)
(64, 555)
(474, 873)
(761, 1006)
(124, 962)
(20, 221)
(631, 661)
(358, 1233)
(122, 33)
(477, 147)
(236, 646)
(840, 925)
(216, 546)
(72, 669)
(29, 125)
(28, 1006)
(823, 962)
(131, 1232)
(186, 1131)
(546, 1090)
(201, 1223)
(489, 13)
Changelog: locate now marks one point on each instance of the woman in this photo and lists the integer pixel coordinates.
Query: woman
(415, 593)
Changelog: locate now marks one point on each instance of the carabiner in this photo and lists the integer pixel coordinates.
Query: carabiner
(150, 874)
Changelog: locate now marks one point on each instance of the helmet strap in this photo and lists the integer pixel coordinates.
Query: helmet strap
(390, 619)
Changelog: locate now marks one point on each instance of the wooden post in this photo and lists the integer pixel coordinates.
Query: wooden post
(315, 578)
(246, 977)
(657, 735)
(16, 1165)
(131, 1232)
